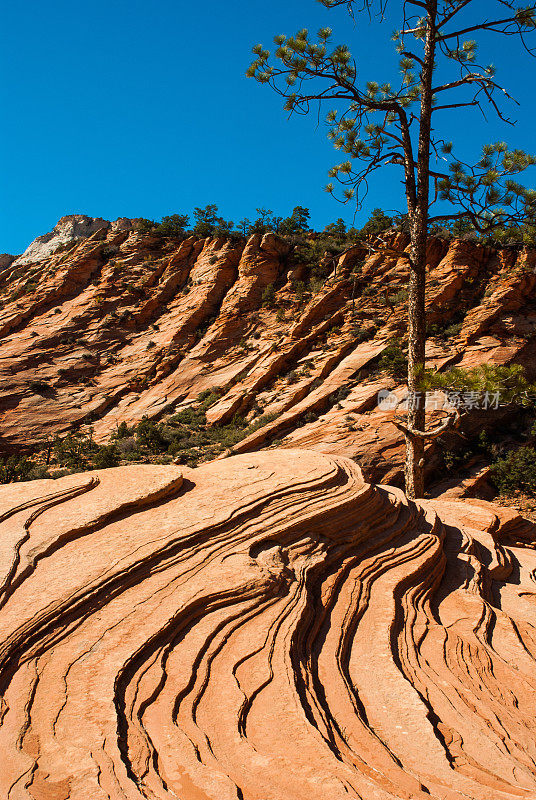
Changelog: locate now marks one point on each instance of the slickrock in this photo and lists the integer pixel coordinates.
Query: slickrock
(68, 230)
(110, 325)
(264, 627)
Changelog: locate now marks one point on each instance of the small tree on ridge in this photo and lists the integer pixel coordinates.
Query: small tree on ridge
(377, 125)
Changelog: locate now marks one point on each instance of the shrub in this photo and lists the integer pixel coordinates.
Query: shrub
(14, 469)
(268, 296)
(299, 289)
(444, 330)
(38, 472)
(122, 431)
(208, 397)
(173, 225)
(394, 360)
(107, 456)
(398, 297)
(378, 222)
(75, 450)
(516, 472)
(190, 416)
(148, 434)
(127, 445)
(145, 225)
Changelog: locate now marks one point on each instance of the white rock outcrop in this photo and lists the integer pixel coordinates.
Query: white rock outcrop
(68, 230)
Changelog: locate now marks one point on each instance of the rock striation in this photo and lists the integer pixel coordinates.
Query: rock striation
(116, 325)
(267, 626)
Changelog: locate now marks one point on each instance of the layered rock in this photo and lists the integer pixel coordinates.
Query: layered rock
(68, 231)
(268, 626)
(122, 325)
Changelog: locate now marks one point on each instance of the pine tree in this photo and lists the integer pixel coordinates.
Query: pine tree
(378, 125)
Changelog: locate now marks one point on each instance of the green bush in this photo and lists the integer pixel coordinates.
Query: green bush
(190, 416)
(75, 450)
(149, 435)
(516, 472)
(173, 226)
(444, 330)
(14, 469)
(107, 456)
(378, 222)
(268, 296)
(394, 360)
(208, 397)
(122, 431)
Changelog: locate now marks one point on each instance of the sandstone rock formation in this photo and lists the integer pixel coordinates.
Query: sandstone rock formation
(123, 325)
(266, 627)
(69, 230)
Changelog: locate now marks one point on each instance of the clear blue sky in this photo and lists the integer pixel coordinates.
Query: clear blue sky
(116, 108)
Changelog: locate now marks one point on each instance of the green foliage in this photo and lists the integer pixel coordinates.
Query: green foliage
(244, 226)
(145, 225)
(268, 296)
(394, 360)
(299, 289)
(173, 226)
(509, 380)
(516, 472)
(336, 229)
(14, 468)
(378, 222)
(263, 223)
(398, 298)
(208, 397)
(208, 223)
(496, 199)
(192, 417)
(107, 456)
(76, 450)
(298, 222)
(377, 125)
(444, 331)
(122, 431)
(149, 435)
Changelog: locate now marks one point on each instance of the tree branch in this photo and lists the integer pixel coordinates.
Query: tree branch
(452, 421)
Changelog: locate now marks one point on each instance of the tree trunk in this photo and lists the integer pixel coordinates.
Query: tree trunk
(414, 469)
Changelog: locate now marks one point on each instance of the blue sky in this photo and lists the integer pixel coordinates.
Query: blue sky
(119, 108)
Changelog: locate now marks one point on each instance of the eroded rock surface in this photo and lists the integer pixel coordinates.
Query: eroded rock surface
(122, 325)
(265, 627)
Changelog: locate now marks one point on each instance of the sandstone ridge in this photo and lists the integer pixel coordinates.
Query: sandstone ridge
(269, 626)
(119, 325)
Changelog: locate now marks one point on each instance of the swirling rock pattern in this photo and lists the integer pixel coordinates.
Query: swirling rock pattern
(266, 627)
